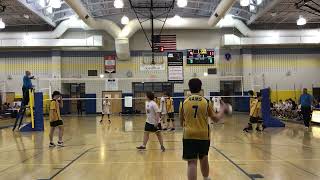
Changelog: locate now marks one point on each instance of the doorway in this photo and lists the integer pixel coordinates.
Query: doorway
(140, 89)
(316, 93)
(74, 90)
(116, 103)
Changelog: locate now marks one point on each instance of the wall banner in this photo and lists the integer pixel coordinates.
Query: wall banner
(175, 67)
(110, 64)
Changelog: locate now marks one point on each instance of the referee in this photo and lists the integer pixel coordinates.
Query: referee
(27, 84)
(306, 102)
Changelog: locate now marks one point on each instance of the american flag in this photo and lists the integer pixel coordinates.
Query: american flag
(168, 42)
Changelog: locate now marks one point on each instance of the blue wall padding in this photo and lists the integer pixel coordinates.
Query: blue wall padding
(268, 120)
(176, 101)
(91, 104)
(66, 109)
(240, 104)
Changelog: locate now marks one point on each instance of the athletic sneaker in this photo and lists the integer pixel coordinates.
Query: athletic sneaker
(101, 121)
(247, 129)
(163, 149)
(172, 129)
(141, 148)
(51, 145)
(60, 144)
(164, 129)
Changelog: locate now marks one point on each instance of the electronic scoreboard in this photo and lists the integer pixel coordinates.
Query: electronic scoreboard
(200, 56)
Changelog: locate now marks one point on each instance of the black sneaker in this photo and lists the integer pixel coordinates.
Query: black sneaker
(164, 129)
(60, 144)
(52, 145)
(246, 130)
(258, 129)
(172, 129)
(163, 149)
(101, 121)
(141, 148)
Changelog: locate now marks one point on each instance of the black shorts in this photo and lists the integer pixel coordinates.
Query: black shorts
(56, 123)
(151, 128)
(195, 149)
(254, 120)
(171, 116)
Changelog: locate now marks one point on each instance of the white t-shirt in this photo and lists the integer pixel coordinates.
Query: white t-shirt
(163, 105)
(106, 107)
(151, 111)
(216, 103)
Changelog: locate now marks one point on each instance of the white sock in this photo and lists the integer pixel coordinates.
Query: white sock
(206, 178)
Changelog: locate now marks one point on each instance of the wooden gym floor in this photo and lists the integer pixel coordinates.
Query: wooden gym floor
(94, 151)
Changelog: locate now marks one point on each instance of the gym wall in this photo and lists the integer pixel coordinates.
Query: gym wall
(288, 67)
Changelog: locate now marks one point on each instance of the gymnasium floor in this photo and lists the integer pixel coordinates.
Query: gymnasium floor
(95, 151)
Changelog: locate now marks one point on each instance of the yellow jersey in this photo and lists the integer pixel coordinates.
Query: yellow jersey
(54, 113)
(195, 111)
(255, 108)
(169, 105)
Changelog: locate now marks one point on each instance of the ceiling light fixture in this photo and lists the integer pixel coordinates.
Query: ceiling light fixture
(244, 3)
(55, 4)
(118, 4)
(301, 21)
(49, 10)
(125, 20)
(42, 3)
(252, 8)
(182, 3)
(259, 2)
(2, 24)
(176, 18)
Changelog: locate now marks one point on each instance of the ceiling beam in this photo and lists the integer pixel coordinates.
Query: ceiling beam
(262, 12)
(36, 11)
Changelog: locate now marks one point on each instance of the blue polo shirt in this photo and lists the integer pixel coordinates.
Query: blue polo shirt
(306, 100)
(27, 82)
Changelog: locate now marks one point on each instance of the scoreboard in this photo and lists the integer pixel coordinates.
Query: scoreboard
(200, 56)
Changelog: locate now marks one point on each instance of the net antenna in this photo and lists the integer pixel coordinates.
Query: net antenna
(150, 10)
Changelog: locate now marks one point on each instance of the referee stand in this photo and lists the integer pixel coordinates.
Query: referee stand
(36, 112)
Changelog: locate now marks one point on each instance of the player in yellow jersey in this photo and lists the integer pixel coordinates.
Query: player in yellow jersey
(170, 111)
(194, 113)
(55, 118)
(255, 113)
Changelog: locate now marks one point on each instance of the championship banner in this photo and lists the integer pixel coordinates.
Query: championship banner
(110, 64)
(175, 67)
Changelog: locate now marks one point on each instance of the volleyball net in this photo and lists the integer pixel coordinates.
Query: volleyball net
(129, 92)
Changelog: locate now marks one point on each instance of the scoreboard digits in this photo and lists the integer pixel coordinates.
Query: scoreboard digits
(200, 56)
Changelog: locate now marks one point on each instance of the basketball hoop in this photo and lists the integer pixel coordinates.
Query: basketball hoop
(152, 10)
(152, 58)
